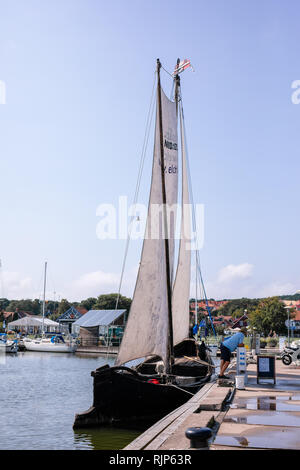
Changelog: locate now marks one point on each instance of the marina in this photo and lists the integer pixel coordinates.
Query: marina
(149, 270)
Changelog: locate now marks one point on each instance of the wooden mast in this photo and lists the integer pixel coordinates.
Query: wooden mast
(177, 86)
(170, 352)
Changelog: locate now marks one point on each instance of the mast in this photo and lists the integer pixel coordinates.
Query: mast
(44, 296)
(150, 319)
(177, 86)
(170, 354)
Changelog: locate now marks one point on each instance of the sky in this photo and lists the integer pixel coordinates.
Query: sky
(78, 77)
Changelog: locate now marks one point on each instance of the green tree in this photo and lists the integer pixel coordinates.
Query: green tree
(88, 303)
(270, 314)
(27, 305)
(36, 307)
(3, 304)
(51, 307)
(108, 302)
(64, 305)
(236, 307)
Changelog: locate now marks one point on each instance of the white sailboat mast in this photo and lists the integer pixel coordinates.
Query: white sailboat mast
(44, 295)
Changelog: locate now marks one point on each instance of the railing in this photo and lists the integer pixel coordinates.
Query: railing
(100, 342)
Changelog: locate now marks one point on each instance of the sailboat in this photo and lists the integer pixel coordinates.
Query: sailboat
(158, 325)
(54, 343)
(8, 345)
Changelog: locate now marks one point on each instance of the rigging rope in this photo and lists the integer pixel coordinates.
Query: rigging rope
(197, 254)
(141, 167)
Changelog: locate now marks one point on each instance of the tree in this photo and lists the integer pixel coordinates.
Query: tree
(108, 302)
(270, 314)
(36, 307)
(88, 303)
(64, 305)
(3, 304)
(27, 305)
(51, 307)
(236, 307)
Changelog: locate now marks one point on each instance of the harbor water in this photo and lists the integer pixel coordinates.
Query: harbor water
(41, 393)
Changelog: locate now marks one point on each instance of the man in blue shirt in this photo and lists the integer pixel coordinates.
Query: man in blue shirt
(227, 347)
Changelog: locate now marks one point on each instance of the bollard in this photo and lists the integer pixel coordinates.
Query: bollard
(199, 437)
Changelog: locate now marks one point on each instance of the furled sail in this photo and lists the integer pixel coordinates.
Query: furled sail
(181, 289)
(147, 329)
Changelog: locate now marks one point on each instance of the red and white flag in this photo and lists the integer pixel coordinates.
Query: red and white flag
(183, 65)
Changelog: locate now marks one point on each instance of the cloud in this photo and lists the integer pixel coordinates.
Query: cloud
(277, 288)
(92, 284)
(236, 280)
(234, 272)
(231, 281)
(15, 286)
(100, 282)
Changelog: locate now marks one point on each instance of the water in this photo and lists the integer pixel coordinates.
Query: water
(40, 395)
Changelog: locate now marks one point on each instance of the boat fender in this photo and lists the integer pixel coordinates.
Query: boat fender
(153, 381)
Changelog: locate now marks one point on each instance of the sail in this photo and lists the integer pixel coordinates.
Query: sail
(147, 329)
(181, 289)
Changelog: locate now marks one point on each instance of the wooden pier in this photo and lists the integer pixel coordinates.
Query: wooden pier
(262, 416)
(203, 409)
(113, 350)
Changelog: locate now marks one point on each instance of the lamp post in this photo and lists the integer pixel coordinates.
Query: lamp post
(288, 312)
(288, 323)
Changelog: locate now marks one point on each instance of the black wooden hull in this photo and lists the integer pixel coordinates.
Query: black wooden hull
(131, 397)
(126, 398)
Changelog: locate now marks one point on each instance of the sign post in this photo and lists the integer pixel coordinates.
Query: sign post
(266, 368)
(241, 362)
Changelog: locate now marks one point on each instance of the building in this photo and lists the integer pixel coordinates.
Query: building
(241, 322)
(70, 316)
(33, 324)
(100, 327)
(225, 321)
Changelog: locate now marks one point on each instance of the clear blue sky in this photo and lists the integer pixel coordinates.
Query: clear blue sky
(78, 78)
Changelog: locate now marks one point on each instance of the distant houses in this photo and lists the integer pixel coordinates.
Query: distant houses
(224, 321)
(295, 306)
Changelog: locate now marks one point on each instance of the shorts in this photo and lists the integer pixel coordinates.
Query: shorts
(225, 353)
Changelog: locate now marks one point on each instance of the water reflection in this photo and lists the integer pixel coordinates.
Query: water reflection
(268, 403)
(266, 418)
(104, 438)
(241, 440)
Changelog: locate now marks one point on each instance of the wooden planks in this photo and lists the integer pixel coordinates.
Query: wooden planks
(158, 433)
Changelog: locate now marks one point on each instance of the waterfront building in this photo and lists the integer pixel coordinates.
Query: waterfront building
(100, 327)
(69, 317)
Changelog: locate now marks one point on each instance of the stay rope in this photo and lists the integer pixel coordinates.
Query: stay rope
(197, 254)
(137, 188)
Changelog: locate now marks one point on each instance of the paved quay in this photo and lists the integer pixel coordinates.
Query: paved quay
(262, 416)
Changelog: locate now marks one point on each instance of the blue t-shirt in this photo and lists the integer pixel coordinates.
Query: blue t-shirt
(233, 342)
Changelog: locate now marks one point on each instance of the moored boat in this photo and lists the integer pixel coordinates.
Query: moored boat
(8, 345)
(54, 344)
(157, 331)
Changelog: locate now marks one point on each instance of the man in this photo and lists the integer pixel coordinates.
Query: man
(227, 347)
